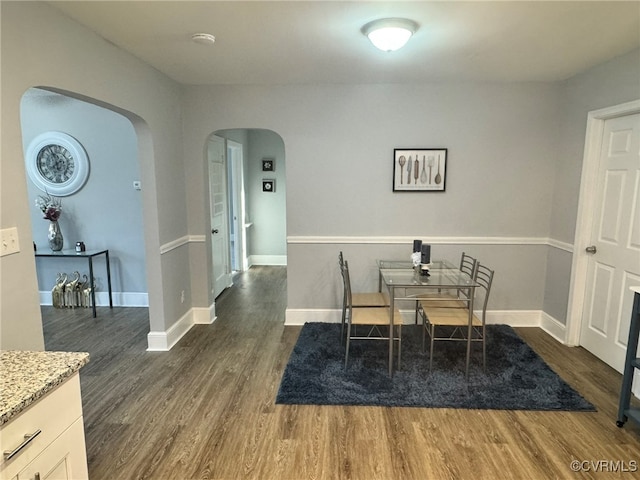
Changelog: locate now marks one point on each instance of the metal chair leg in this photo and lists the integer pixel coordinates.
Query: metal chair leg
(346, 353)
(399, 344)
(484, 350)
(431, 333)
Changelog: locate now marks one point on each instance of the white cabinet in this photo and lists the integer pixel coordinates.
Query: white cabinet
(58, 451)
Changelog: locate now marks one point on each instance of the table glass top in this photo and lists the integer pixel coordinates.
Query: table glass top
(436, 264)
(441, 274)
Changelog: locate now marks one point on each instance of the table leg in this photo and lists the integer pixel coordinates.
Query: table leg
(109, 278)
(93, 288)
(391, 309)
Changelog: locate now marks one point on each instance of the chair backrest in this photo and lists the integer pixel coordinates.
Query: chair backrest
(468, 264)
(348, 302)
(341, 263)
(484, 277)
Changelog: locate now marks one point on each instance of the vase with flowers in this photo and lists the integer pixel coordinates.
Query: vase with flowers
(51, 208)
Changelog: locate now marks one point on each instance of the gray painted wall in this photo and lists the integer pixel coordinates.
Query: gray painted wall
(107, 211)
(339, 144)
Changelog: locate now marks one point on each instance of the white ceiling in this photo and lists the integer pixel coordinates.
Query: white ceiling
(314, 42)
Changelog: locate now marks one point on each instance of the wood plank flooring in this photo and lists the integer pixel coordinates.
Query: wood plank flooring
(205, 409)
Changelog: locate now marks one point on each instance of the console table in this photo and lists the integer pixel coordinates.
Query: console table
(89, 255)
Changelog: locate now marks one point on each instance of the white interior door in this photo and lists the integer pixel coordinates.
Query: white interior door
(218, 203)
(614, 266)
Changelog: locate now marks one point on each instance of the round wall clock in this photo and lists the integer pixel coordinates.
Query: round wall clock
(57, 163)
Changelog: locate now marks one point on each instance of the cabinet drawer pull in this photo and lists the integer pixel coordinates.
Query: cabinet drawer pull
(27, 439)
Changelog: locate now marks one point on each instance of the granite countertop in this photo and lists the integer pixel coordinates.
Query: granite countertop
(27, 376)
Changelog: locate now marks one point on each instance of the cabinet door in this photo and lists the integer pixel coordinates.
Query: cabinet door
(64, 459)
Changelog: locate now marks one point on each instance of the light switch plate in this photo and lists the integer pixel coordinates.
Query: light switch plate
(9, 241)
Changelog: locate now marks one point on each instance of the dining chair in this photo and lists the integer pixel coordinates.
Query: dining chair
(457, 299)
(373, 320)
(362, 299)
(455, 321)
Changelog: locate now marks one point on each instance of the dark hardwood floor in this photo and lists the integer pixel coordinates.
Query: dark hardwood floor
(205, 409)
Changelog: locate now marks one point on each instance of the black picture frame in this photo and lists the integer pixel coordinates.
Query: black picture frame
(268, 165)
(269, 185)
(419, 169)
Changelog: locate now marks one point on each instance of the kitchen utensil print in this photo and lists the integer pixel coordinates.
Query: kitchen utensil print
(401, 161)
(423, 175)
(430, 161)
(416, 171)
(438, 178)
(409, 166)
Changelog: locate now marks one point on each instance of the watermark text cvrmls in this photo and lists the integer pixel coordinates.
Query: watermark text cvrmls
(619, 466)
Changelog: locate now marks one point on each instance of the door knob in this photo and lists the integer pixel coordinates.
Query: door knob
(591, 249)
(214, 231)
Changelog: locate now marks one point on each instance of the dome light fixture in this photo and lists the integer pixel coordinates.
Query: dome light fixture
(390, 34)
(203, 38)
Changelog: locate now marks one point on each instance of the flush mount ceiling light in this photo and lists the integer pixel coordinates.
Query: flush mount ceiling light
(203, 38)
(389, 34)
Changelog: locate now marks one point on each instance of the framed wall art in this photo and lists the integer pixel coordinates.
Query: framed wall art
(269, 186)
(419, 169)
(268, 165)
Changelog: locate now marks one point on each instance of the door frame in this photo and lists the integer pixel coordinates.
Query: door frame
(236, 196)
(586, 209)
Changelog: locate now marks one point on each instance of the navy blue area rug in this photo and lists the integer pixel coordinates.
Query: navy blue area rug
(516, 377)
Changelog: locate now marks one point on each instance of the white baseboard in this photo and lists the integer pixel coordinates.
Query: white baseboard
(300, 316)
(279, 260)
(514, 318)
(159, 341)
(120, 299)
(204, 316)
(163, 341)
(553, 327)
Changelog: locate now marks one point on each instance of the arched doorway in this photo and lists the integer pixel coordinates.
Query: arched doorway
(255, 196)
(107, 212)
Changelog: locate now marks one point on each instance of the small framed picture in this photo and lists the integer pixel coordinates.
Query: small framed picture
(268, 185)
(419, 169)
(268, 165)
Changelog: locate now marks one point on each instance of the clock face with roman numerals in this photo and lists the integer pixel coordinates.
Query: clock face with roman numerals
(57, 163)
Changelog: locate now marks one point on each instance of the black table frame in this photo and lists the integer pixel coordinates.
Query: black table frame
(89, 256)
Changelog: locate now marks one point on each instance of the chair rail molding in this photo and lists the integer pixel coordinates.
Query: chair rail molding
(179, 242)
(400, 240)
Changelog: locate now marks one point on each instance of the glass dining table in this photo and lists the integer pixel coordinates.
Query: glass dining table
(403, 282)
